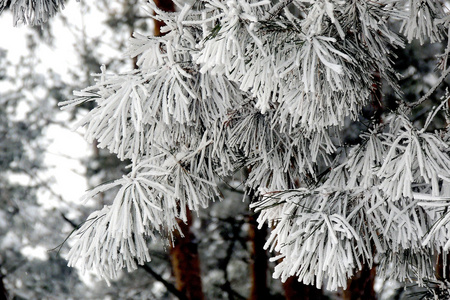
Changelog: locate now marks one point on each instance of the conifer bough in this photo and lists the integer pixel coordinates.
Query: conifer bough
(271, 88)
(33, 12)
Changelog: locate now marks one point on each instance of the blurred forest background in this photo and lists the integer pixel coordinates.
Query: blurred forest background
(222, 255)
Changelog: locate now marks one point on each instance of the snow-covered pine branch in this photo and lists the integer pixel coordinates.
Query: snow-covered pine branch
(423, 20)
(271, 88)
(34, 12)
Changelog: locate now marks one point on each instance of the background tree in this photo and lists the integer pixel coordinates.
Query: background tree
(27, 270)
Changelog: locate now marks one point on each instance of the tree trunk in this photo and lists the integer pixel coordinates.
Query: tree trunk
(360, 287)
(295, 290)
(3, 291)
(258, 258)
(184, 252)
(165, 5)
(186, 263)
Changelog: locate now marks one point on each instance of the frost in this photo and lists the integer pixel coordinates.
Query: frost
(267, 88)
(32, 12)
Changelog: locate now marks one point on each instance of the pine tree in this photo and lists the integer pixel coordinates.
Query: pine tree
(274, 88)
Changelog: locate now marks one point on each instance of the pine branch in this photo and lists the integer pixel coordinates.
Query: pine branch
(276, 9)
(72, 223)
(170, 287)
(430, 91)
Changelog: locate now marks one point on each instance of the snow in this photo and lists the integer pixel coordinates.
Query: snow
(38, 252)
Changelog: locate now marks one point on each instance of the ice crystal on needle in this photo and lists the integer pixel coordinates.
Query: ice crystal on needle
(270, 88)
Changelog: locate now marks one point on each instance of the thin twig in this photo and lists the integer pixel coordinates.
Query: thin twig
(431, 91)
(72, 223)
(170, 287)
(276, 9)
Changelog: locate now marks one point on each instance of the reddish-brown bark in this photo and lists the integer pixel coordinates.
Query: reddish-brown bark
(186, 263)
(295, 290)
(258, 263)
(360, 287)
(165, 5)
(184, 252)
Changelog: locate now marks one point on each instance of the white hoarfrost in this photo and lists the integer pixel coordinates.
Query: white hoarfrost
(268, 87)
(33, 12)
